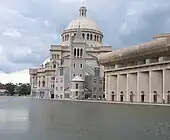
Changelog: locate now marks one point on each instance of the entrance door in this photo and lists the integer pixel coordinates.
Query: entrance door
(142, 98)
(168, 98)
(52, 96)
(154, 98)
(121, 98)
(131, 97)
(113, 97)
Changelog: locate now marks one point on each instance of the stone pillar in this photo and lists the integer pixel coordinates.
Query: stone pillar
(109, 88)
(150, 89)
(138, 89)
(127, 87)
(106, 86)
(117, 95)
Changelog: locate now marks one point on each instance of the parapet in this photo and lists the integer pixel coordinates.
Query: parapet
(136, 52)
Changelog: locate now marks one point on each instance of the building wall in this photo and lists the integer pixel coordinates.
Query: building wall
(148, 79)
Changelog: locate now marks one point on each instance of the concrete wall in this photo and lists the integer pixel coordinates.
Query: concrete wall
(122, 86)
(132, 86)
(156, 85)
(143, 85)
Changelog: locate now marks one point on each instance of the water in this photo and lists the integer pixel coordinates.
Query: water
(31, 119)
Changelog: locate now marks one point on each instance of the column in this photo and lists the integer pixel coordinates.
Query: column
(106, 86)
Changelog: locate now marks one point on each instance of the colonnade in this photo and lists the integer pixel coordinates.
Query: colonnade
(141, 86)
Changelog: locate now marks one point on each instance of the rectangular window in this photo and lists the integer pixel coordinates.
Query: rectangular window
(61, 88)
(77, 86)
(57, 56)
(61, 72)
(94, 81)
(61, 80)
(94, 89)
(81, 66)
(76, 93)
(52, 78)
(97, 72)
(56, 88)
(74, 65)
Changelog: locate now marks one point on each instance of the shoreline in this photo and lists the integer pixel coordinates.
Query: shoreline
(104, 102)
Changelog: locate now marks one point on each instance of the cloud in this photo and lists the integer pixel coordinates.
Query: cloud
(15, 77)
(27, 28)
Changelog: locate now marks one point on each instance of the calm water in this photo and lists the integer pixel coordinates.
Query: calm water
(31, 119)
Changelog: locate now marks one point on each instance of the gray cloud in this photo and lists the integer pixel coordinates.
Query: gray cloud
(27, 28)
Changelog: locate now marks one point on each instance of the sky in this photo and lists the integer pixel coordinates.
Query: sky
(29, 27)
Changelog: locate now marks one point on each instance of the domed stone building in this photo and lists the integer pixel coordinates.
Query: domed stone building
(72, 70)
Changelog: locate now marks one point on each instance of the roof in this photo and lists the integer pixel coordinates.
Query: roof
(77, 79)
(83, 22)
(135, 52)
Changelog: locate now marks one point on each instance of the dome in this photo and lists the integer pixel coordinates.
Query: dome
(83, 22)
(47, 60)
(90, 31)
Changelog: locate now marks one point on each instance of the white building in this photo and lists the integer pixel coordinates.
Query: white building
(140, 73)
(72, 70)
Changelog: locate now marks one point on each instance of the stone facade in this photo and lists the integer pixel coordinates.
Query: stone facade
(140, 73)
(72, 70)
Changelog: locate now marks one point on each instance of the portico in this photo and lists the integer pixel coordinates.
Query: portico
(140, 73)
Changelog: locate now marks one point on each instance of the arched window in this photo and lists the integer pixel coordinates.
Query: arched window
(97, 38)
(142, 96)
(121, 96)
(155, 96)
(39, 83)
(75, 53)
(83, 35)
(131, 96)
(94, 37)
(168, 97)
(81, 66)
(78, 53)
(63, 38)
(81, 53)
(74, 65)
(100, 39)
(74, 34)
(87, 36)
(43, 83)
(91, 37)
(113, 96)
(67, 37)
(54, 66)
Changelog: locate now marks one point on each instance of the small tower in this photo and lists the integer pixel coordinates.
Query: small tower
(77, 88)
(83, 11)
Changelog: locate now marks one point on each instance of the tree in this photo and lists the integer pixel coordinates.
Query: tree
(23, 89)
(10, 88)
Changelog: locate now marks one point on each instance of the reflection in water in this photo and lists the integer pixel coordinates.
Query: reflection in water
(13, 120)
(31, 119)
